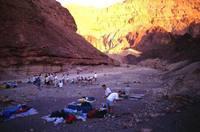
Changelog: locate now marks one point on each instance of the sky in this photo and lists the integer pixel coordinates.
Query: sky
(94, 3)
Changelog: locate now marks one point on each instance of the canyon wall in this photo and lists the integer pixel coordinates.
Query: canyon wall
(137, 24)
(40, 35)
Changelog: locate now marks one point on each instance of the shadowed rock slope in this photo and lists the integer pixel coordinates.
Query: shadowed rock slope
(42, 33)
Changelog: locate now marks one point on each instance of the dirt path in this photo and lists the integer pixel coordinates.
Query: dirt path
(130, 115)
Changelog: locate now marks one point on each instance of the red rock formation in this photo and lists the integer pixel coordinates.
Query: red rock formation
(133, 18)
(151, 38)
(42, 33)
(158, 43)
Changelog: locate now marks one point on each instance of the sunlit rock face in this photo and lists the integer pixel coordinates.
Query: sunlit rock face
(41, 33)
(127, 25)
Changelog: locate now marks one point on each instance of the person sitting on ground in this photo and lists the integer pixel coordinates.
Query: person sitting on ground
(63, 78)
(67, 79)
(107, 90)
(111, 99)
(123, 94)
(51, 78)
(29, 80)
(72, 81)
(37, 81)
(90, 78)
(47, 79)
(55, 80)
(34, 78)
(60, 84)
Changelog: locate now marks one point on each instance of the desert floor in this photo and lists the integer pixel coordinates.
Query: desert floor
(151, 113)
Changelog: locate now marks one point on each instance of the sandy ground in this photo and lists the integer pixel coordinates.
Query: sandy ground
(147, 114)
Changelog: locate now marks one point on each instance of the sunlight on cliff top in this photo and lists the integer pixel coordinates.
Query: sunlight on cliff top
(92, 3)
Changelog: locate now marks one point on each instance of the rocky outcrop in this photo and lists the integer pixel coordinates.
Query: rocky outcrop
(42, 33)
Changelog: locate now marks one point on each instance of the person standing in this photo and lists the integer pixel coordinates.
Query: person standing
(95, 76)
(107, 90)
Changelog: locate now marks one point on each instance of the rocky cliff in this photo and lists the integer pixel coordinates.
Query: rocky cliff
(42, 34)
(137, 24)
